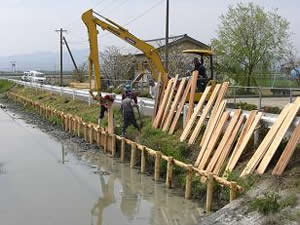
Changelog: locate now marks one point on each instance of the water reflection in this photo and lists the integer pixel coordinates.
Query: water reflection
(138, 199)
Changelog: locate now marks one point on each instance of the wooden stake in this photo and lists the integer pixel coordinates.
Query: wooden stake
(188, 182)
(98, 133)
(122, 149)
(209, 192)
(110, 120)
(233, 191)
(143, 160)
(113, 145)
(105, 141)
(90, 133)
(157, 166)
(169, 172)
(133, 155)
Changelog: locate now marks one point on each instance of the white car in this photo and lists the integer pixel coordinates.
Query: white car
(25, 76)
(37, 77)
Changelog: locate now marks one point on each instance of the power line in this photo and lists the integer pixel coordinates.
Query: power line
(144, 13)
(133, 19)
(139, 16)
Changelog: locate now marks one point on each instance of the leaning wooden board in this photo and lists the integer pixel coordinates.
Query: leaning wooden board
(244, 138)
(277, 139)
(287, 152)
(168, 105)
(222, 144)
(205, 153)
(162, 105)
(180, 107)
(204, 114)
(212, 143)
(193, 118)
(227, 148)
(174, 105)
(158, 91)
(221, 96)
(192, 95)
(264, 145)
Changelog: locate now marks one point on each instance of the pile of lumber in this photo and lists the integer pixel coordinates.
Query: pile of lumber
(267, 148)
(224, 135)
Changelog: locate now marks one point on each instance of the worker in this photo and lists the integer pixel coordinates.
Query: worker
(202, 78)
(129, 92)
(128, 113)
(105, 102)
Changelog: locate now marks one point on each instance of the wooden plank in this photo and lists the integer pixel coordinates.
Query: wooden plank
(192, 95)
(215, 137)
(244, 139)
(287, 152)
(174, 105)
(180, 107)
(278, 138)
(171, 95)
(203, 153)
(264, 145)
(110, 120)
(204, 114)
(158, 92)
(221, 96)
(227, 148)
(222, 144)
(193, 118)
(162, 105)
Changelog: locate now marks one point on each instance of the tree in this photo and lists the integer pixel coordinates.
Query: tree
(80, 74)
(250, 40)
(115, 65)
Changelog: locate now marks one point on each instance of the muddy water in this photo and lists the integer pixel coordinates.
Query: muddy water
(46, 182)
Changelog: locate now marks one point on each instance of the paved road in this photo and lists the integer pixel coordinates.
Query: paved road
(267, 101)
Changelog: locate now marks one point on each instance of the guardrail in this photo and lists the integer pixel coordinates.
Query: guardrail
(144, 103)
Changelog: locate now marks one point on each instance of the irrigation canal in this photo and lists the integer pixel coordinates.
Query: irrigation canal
(44, 181)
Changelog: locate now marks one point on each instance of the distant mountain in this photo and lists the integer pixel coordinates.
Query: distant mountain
(43, 60)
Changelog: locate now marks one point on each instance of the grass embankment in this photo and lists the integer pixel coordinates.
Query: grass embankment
(171, 146)
(152, 138)
(5, 86)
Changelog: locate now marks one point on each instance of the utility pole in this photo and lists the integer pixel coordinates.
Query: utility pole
(167, 36)
(61, 54)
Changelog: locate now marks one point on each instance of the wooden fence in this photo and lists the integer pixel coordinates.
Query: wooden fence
(92, 133)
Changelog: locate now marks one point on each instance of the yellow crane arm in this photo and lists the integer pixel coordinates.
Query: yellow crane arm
(150, 52)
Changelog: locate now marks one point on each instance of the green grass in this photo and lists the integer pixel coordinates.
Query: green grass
(267, 204)
(5, 85)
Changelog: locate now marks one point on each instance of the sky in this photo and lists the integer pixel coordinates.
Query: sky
(28, 26)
